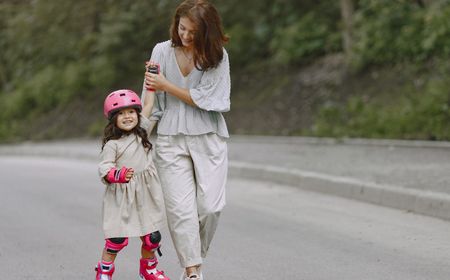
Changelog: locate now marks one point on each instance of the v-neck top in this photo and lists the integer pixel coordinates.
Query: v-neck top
(210, 91)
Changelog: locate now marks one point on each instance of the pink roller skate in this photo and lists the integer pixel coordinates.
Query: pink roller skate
(148, 271)
(104, 271)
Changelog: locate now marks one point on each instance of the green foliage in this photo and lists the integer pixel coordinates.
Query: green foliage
(392, 32)
(436, 40)
(55, 53)
(308, 38)
(283, 31)
(421, 114)
(64, 56)
(307, 35)
(387, 31)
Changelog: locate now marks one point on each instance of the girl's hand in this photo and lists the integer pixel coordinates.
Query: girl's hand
(129, 174)
(149, 63)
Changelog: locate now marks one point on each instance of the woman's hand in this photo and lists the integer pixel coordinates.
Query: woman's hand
(159, 82)
(154, 81)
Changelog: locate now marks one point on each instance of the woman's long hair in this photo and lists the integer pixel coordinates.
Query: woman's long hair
(112, 132)
(209, 38)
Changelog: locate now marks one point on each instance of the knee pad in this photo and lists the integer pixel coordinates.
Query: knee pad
(114, 245)
(151, 242)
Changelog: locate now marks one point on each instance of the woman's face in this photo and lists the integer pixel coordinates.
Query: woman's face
(127, 119)
(186, 31)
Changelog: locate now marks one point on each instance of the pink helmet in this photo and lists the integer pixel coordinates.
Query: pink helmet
(119, 99)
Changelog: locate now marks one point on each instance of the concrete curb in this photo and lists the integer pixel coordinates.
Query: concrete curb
(295, 140)
(421, 202)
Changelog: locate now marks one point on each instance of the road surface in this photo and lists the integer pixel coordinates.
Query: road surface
(50, 224)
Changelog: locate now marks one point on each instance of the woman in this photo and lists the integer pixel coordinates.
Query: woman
(193, 89)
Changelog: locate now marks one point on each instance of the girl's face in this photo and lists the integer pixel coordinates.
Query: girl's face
(186, 31)
(127, 119)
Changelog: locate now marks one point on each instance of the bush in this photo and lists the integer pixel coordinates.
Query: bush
(436, 41)
(387, 31)
(423, 113)
(308, 38)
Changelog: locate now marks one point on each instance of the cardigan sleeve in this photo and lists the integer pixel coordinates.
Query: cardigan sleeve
(213, 91)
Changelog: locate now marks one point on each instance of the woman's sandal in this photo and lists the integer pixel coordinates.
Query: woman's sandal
(193, 276)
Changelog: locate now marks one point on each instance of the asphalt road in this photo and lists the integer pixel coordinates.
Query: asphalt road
(50, 228)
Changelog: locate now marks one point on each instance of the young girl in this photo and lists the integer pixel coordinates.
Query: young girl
(133, 200)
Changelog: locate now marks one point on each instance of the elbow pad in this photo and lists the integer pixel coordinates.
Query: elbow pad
(117, 176)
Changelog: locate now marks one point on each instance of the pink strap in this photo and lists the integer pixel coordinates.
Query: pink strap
(109, 245)
(117, 176)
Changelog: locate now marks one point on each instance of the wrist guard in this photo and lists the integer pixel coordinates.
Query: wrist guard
(117, 176)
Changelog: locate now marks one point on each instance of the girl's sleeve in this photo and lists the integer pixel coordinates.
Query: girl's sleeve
(107, 161)
(147, 124)
(159, 104)
(213, 92)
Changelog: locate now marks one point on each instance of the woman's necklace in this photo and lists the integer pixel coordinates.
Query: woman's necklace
(186, 56)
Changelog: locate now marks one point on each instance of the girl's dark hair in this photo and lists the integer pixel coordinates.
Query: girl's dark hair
(112, 132)
(209, 38)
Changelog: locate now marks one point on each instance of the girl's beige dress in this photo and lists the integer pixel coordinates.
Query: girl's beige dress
(135, 208)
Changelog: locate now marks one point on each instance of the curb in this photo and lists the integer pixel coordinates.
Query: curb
(421, 202)
(295, 140)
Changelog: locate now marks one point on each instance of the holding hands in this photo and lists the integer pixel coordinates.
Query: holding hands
(154, 81)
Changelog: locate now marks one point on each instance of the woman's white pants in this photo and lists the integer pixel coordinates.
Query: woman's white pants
(193, 172)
